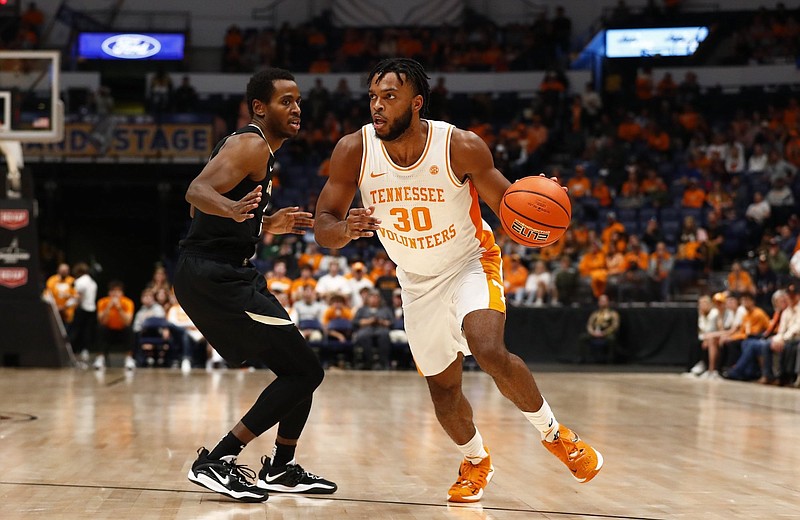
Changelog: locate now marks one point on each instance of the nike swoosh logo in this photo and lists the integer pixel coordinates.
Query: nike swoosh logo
(376, 175)
(224, 481)
(551, 423)
(267, 320)
(270, 478)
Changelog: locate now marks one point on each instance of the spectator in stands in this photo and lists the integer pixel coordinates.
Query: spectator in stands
(654, 188)
(709, 328)
(60, 288)
(186, 335)
(333, 256)
(652, 234)
(318, 101)
(387, 281)
(602, 193)
(757, 162)
(765, 281)
(337, 309)
(739, 281)
(592, 104)
(758, 213)
(84, 324)
(778, 260)
(634, 281)
(691, 239)
(593, 269)
(694, 196)
(277, 281)
(185, 97)
(114, 316)
(778, 168)
(565, 282)
(159, 280)
(729, 319)
(148, 309)
(515, 274)
(311, 257)
(708, 313)
(781, 201)
(758, 353)
(160, 92)
(306, 279)
(666, 88)
(309, 313)
(358, 280)
(561, 27)
(612, 226)
(33, 19)
(754, 323)
(579, 185)
(333, 283)
(659, 270)
(373, 322)
(538, 288)
(599, 343)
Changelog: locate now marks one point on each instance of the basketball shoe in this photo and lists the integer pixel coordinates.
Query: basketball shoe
(472, 478)
(582, 460)
(226, 477)
(292, 478)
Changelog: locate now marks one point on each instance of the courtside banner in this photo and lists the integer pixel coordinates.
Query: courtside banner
(19, 251)
(128, 140)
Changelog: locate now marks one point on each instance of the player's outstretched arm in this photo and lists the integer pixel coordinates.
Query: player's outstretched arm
(336, 224)
(472, 159)
(240, 157)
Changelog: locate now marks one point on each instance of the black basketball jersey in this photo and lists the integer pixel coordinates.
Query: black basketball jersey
(221, 237)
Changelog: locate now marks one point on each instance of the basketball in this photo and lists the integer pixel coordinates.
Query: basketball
(535, 211)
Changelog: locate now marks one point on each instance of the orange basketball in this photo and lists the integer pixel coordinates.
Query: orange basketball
(535, 211)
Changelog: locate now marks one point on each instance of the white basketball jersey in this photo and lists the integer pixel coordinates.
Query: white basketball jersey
(430, 221)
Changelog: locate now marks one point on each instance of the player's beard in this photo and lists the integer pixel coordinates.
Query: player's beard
(397, 128)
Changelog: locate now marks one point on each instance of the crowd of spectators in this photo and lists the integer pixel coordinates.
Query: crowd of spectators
(23, 32)
(477, 44)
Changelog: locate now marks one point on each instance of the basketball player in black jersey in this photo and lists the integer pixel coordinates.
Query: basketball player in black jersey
(227, 298)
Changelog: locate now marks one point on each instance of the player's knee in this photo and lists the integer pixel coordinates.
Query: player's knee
(443, 393)
(316, 375)
(492, 359)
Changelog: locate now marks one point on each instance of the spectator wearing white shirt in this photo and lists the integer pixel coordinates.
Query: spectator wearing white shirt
(538, 286)
(333, 283)
(307, 314)
(758, 160)
(358, 280)
(191, 338)
(759, 210)
(333, 257)
(84, 324)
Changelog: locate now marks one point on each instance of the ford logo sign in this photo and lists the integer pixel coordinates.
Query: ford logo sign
(131, 46)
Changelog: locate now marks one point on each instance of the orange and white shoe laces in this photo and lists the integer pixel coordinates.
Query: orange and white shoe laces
(582, 460)
(472, 479)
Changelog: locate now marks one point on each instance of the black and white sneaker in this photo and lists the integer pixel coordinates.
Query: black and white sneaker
(226, 477)
(292, 479)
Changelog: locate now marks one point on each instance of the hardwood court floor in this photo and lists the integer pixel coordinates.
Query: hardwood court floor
(111, 446)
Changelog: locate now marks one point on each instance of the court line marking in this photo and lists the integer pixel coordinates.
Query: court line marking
(338, 499)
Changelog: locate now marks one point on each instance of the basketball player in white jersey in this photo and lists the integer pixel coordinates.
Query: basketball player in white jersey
(419, 182)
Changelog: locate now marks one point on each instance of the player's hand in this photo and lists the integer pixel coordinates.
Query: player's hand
(360, 223)
(555, 179)
(289, 220)
(240, 210)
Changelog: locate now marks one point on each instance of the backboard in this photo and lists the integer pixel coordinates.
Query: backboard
(30, 103)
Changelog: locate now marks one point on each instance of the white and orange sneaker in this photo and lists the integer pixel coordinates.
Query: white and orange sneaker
(582, 460)
(472, 478)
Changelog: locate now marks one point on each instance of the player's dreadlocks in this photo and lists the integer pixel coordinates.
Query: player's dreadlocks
(413, 71)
